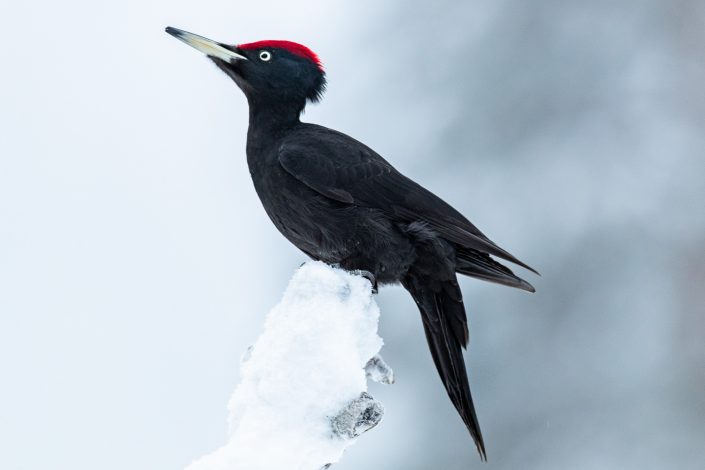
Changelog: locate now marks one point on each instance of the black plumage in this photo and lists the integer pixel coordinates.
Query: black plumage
(340, 202)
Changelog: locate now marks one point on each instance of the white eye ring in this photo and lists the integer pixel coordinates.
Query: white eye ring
(265, 55)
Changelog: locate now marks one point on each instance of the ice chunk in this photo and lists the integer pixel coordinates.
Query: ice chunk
(379, 371)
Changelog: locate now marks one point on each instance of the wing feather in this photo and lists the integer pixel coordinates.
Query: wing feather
(345, 170)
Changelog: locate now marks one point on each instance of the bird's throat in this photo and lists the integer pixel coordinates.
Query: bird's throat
(274, 116)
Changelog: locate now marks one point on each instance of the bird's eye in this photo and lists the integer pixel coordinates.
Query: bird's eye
(265, 55)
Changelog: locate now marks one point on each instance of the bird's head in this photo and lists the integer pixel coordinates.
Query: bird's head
(268, 72)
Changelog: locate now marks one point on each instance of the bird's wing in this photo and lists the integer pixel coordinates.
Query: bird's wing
(345, 170)
(333, 175)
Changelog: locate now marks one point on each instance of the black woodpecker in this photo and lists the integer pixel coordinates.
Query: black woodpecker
(340, 202)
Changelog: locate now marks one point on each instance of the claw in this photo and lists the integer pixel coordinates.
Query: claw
(370, 277)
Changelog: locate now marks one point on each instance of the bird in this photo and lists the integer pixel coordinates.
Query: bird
(340, 202)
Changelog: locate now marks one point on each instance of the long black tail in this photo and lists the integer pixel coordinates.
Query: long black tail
(445, 324)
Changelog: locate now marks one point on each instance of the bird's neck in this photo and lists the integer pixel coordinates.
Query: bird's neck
(268, 116)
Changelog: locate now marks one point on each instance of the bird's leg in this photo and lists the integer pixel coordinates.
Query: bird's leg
(360, 272)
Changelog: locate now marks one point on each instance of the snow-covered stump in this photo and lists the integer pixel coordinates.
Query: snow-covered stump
(303, 396)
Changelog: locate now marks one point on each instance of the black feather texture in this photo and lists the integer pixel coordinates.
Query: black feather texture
(340, 202)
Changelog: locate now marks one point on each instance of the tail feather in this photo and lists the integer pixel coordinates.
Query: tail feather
(481, 266)
(440, 312)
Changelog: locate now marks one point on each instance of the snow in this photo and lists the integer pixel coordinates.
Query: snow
(305, 376)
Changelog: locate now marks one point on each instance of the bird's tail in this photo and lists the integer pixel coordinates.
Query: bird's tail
(480, 265)
(445, 325)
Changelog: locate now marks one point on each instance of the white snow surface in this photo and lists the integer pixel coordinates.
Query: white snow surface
(306, 366)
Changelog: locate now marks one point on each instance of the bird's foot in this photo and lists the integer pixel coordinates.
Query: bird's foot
(369, 276)
(379, 371)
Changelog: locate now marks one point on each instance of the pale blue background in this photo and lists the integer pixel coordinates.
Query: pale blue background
(136, 263)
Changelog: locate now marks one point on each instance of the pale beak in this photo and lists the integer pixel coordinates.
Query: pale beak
(205, 45)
